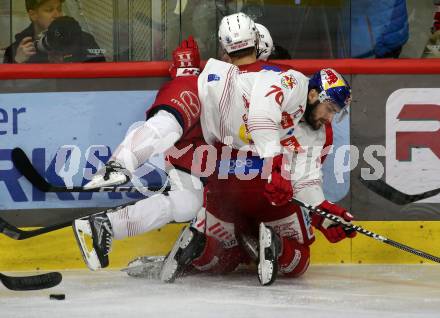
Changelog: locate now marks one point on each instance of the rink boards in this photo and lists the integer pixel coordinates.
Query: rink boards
(58, 250)
(393, 123)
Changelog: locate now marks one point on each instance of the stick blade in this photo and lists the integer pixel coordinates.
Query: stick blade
(394, 195)
(35, 282)
(25, 167)
(9, 230)
(386, 191)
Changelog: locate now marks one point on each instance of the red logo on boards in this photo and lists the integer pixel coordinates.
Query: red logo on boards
(407, 140)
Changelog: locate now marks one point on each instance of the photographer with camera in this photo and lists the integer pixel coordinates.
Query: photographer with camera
(52, 38)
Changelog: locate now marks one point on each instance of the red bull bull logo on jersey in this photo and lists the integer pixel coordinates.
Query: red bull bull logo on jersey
(288, 81)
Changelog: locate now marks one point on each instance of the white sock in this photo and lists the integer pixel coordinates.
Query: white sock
(180, 204)
(146, 215)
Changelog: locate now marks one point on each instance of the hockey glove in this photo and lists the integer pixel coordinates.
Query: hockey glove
(278, 189)
(334, 232)
(186, 59)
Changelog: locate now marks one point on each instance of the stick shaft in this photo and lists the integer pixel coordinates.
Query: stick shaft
(17, 234)
(26, 168)
(365, 232)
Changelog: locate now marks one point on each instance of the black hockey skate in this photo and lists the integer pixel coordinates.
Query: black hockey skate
(268, 251)
(99, 228)
(188, 247)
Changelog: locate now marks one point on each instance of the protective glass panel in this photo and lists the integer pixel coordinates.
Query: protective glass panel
(146, 30)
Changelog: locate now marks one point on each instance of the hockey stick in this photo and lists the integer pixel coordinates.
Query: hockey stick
(35, 282)
(388, 192)
(26, 168)
(375, 236)
(15, 233)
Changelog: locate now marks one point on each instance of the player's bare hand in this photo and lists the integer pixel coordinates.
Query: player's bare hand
(25, 50)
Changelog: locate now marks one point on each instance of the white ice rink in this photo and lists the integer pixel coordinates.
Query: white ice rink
(354, 291)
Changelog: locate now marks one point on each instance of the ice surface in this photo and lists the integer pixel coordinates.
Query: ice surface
(354, 291)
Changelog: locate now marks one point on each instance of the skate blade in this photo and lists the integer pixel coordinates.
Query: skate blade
(81, 229)
(265, 236)
(170, 266)
(265, 272)
(265, 267)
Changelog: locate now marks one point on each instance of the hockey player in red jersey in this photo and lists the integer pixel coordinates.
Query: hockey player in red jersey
(173, 127)
(239, 208)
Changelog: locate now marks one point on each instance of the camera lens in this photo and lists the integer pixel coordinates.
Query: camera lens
(63, 34)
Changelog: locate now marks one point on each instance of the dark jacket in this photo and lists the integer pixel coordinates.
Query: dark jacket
(87, 50)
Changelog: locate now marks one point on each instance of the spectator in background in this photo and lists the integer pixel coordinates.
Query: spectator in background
(432, 49)
(436, 20)
(379, 28)
(52, 38)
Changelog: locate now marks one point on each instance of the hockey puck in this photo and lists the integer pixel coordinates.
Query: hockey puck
(57, 296)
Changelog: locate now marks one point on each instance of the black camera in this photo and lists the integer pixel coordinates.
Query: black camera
(63, 35)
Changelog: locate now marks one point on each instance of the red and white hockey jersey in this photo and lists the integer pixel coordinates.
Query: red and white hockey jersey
(250, 111)
(179, 97)
(261, 112)
(306, 163)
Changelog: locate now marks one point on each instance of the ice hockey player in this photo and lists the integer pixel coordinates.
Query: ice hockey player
(173, 127)
(176, 108)
(265, 43)
(272, 116)
(247, 44)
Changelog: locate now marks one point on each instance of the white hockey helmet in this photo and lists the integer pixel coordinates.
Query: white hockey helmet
(237, 32)
(265, 45)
